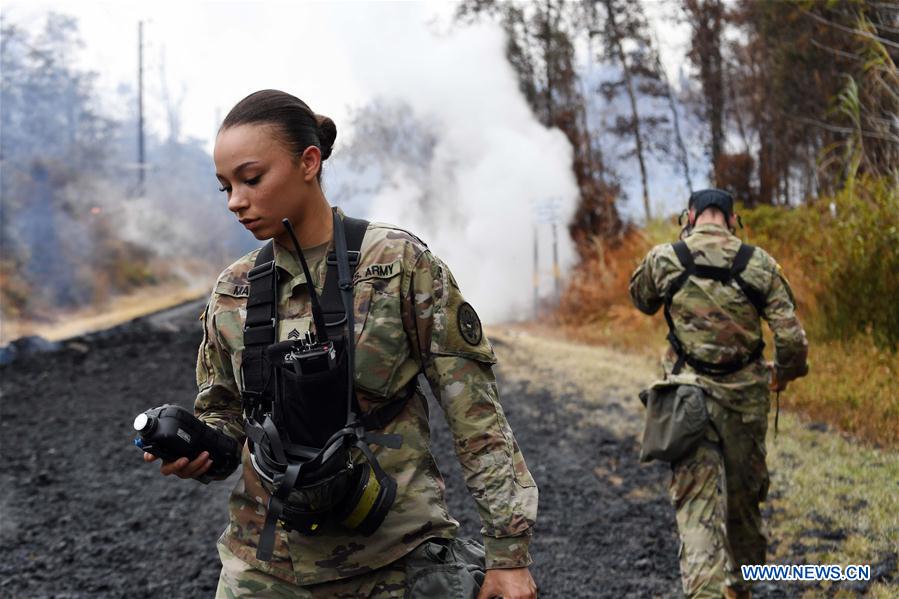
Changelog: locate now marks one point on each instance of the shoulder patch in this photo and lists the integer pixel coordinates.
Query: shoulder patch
(469, 324)
(786, 282)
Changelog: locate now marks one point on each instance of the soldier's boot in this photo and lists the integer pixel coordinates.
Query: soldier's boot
(732, 593)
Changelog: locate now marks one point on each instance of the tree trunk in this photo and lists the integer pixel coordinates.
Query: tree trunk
(707, 16)
(629, 85)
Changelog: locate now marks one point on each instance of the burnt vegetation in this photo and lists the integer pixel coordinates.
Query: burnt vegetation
(76, 226)
(782, 103)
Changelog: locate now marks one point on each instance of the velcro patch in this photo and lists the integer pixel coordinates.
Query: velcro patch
(379, 271)
(232, 289)
(469, 324)
(293, 329)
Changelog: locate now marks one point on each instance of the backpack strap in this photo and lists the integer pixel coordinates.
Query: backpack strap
(380, 418)
(259, 330)
(686, 260)
(723, 276)
(741, 261)
(703, 271)
(345, 286)
(682, 251)
(331, 300)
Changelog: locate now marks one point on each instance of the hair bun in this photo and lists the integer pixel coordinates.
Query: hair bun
(327, 133)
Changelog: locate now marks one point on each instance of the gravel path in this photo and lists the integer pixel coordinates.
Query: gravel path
(81, 516)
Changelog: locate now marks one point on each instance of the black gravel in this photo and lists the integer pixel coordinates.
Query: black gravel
(82, 516)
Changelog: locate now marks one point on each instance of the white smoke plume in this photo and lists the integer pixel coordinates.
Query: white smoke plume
(492, 163)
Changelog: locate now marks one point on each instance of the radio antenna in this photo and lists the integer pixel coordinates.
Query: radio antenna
(321, 331)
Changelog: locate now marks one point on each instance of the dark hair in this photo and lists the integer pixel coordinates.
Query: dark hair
(292, 118)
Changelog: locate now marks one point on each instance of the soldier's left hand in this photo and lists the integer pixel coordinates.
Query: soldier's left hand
(508, 583)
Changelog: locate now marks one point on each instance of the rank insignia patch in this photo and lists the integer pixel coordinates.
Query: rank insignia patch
(469, 324)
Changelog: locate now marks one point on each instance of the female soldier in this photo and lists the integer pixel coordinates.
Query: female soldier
(410, 317)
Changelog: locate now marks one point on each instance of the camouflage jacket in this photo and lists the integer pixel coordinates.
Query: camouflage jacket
(407, 307)
(717, 322)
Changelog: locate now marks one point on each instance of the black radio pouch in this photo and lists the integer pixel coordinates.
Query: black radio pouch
(310, 392)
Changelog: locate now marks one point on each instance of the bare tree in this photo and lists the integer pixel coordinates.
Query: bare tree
(614, 36)
(683, 157)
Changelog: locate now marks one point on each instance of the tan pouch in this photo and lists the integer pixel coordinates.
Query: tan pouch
(676, 421)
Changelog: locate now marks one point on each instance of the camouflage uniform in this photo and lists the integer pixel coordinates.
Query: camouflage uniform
(407, 305)
(721, 531)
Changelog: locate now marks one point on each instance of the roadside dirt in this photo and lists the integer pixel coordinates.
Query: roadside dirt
(116, 311)
(82, 516)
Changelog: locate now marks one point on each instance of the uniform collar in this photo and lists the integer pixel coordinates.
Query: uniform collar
(711, 229)
(287, 261)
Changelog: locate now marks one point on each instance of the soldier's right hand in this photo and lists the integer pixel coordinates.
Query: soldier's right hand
(775, 383)
(183, 467)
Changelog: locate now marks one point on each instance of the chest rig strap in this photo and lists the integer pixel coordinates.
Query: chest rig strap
(724, 276)
(260, 330)
(284, 464)
(261, 326)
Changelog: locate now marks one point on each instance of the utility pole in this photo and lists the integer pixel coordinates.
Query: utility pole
(536, 275)
(140, 109)
(557, 275)
(547, 212)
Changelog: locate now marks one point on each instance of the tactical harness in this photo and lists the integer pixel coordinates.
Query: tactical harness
(300, 432)
(723, 276)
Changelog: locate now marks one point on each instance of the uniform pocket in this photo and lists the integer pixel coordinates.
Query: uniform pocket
(522, 474)
(228, 319)
(381, 342)
(445, 568)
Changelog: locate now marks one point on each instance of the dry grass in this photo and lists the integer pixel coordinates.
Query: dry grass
(851, 385)
(596, 308)
(599, 285)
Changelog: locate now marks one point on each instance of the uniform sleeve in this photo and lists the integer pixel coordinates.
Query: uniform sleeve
(643, 289)
(218, 400)
(457, 360)
(790, 343)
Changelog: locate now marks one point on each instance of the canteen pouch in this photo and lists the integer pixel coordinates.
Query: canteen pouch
(445, 568)
(676, 421)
